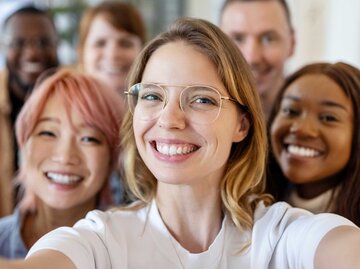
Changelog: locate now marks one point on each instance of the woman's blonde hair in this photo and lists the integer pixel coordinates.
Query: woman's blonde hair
(243, 183)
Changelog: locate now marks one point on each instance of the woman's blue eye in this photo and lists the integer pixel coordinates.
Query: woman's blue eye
(151, 97)
(204, 100)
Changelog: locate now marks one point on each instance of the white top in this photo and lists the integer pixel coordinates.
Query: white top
(282, 237)
(319, 204)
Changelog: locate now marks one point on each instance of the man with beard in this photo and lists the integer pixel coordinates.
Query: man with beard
(263, 32)
(30, 40)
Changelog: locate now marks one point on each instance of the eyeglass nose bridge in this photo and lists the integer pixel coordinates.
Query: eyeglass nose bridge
(179, 101)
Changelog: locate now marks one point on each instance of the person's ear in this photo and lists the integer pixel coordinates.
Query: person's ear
(242, 129)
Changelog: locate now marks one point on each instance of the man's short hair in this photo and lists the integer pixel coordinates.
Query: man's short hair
(283, 3)
(29, 9)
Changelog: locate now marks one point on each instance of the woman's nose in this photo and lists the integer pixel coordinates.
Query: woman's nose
(67, 152)
(304, 126)
(172, 116)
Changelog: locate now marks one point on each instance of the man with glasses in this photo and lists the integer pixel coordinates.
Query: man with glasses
(30, 41)
(263, 32)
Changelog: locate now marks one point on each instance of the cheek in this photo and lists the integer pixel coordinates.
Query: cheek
(276, 131)
(128, 55)
(11, 57)
(89, 56)
(50, 53)
(100, 162)
(219, 140)
(276, 55)
(33, 154)
(140, 128)
(342, 144)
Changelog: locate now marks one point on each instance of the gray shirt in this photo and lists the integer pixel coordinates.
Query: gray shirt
(11, 243)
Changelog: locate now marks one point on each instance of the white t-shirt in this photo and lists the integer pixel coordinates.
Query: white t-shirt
(282, 237)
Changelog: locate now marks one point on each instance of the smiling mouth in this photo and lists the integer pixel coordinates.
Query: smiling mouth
(302, 151)
(63, 179)
(32, 67)
(174, 149)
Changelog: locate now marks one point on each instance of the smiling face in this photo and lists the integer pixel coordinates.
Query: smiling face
(109, 52)
(176, 150)
(311, 135)
(31, 46)
(66, 161)
(261, 31)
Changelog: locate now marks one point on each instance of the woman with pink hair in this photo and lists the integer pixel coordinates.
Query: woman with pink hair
(68, 136)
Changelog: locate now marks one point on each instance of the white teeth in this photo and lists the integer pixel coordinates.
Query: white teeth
(172, 150)
(63, 179)
(32, 67)
(303, 152)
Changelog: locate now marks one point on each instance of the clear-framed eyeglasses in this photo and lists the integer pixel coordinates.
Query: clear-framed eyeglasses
(201, 104)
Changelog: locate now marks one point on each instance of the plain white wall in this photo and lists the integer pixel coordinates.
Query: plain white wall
(326, 30)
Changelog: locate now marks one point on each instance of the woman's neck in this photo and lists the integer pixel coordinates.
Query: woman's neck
(313, 189)
(193, 216)
(45, 219)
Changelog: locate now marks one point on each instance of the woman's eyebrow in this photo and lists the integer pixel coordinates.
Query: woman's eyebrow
(327, 103)
(52, 119)
(333, 104)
